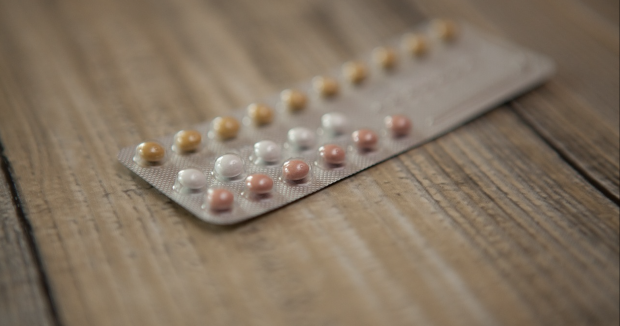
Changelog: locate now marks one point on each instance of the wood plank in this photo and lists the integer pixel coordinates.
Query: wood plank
(485, 226)
(584, 92)
(585, 88)
(22, 297)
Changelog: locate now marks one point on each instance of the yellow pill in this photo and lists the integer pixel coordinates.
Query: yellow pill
(187, 140)
(444, 29)
(354, 72)
(384, 57)
(415, 44)
(151, 151)
(260, 114)
(326, 86)
(293, 99)
(226, 127)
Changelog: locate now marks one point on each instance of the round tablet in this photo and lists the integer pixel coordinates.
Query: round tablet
(365, 139)
(267, 151)
(385, 57)
(220, 199)
(326, 86)
(192, 179)
(444, 29)
(260, 114)
(415, 44)
(226, 127)
(354, 72)
(187, 140)
(295, 170)
(259, 184)
(301, 137)
(398, 124)
(229, 165)
(293, 99)
(334, 123)
(332, 154)
(151, 151)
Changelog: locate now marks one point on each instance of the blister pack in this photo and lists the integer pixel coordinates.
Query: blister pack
(406, 92)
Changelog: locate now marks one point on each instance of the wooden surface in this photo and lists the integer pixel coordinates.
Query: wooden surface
(23, 298)
(512, 219)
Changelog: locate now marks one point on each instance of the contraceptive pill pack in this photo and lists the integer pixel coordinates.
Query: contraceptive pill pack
(410, 90)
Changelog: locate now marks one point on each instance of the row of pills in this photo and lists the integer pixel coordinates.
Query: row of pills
(295, 171)
(354, 72)
(258, 186)
(152, 153)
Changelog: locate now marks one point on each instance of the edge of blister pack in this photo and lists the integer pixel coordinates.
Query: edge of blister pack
(451, 85)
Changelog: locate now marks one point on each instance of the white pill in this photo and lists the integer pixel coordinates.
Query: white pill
(229, 165)
(301, 137)
(192, 179)
(334, 123)
(267, 151)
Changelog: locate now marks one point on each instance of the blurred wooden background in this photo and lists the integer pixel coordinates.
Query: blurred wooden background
(512, 219)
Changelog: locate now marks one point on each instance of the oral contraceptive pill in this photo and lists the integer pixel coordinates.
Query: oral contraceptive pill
(187, 140)
(267, 152)
(191, 179)
(403, 93)
(219, 200)
(259, 184)
(332, 154)
(301, 137)
(293, 99)
(149, 152)
(334, 123)
(295, 170)
(229, 166)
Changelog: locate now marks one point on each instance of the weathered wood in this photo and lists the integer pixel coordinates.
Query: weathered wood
(577, 112)
(485, 226)
(22, 297)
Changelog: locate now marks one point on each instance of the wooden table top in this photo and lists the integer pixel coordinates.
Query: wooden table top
(512, 219)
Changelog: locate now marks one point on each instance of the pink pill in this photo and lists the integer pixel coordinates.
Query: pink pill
(398, 124)
(332, 154)
(365, 139)
(295, 170)
(220, 199)
(259, 184)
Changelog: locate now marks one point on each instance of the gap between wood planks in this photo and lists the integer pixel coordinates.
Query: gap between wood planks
(566, 158)
(26, 229)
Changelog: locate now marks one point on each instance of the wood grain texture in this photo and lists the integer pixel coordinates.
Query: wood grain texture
(577, 112)
(489, 225)
(23, 300)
